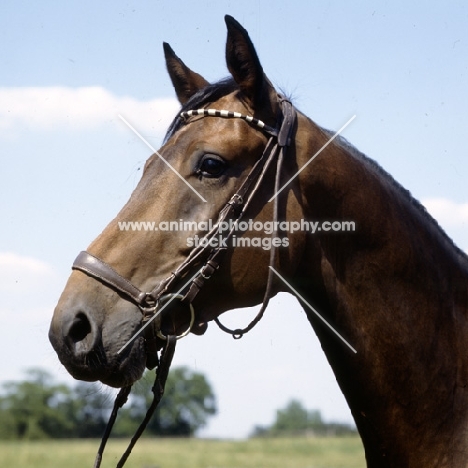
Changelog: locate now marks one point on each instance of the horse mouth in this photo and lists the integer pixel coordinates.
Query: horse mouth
(114, 370)
(93, 351)
(126, 367)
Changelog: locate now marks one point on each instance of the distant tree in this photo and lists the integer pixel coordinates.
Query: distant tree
(92, 409)
(295, 420)
(188, 402)
(36, 408)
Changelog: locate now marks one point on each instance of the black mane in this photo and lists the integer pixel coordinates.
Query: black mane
(406, 194)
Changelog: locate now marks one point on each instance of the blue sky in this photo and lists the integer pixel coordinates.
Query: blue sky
(68, 163)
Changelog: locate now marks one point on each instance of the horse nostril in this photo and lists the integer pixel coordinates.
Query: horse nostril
(80, 328)
(80, 333)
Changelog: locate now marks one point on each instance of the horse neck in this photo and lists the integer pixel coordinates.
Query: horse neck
(396, 289)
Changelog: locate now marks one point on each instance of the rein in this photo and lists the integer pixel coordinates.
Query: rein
(158, 392)
(151, 304)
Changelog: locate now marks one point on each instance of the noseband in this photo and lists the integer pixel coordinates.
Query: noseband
(151, 304)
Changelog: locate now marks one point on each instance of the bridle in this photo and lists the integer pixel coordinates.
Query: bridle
(152, 303)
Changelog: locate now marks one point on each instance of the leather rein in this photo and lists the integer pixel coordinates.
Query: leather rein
(151, 304)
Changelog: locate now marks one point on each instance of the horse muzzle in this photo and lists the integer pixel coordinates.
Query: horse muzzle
(88, 330)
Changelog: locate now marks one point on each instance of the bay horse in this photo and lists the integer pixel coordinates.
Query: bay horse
(395, 288)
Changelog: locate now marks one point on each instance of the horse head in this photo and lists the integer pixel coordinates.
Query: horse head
(190, 185)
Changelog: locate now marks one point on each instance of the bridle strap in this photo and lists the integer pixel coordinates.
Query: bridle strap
(102, 271)
(231, 115)
(273, 149)
(284, 140)
(240, 332)
(232, 211)
(158, 392)
(120, 400)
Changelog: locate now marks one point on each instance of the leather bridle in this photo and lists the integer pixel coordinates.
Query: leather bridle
(152, 303)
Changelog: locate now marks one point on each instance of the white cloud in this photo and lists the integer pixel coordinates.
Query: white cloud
(447, 212)
(29, 290)
(22, 274)
(56, 108)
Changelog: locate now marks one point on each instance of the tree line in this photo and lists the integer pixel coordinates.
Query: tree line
(39, 408)
(295, 420)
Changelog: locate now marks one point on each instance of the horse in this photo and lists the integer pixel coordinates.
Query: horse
(395, 288)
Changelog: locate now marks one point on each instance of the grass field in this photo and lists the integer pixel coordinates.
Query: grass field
(189, 453)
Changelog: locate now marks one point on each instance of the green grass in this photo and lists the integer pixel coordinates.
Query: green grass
(189, 453)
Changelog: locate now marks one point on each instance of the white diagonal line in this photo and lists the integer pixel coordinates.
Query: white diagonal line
(158, 313)
(313, 310)
(160, 157)
(312, 158)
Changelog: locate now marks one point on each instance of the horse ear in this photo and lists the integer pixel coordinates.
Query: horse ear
(244, 65)
(185, 81)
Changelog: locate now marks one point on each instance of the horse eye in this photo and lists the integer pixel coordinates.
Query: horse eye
(211, 167)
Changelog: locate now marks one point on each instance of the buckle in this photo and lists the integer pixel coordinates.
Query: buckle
(164, 301)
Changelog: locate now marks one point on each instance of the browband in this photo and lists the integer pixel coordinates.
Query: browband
(230, 115)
